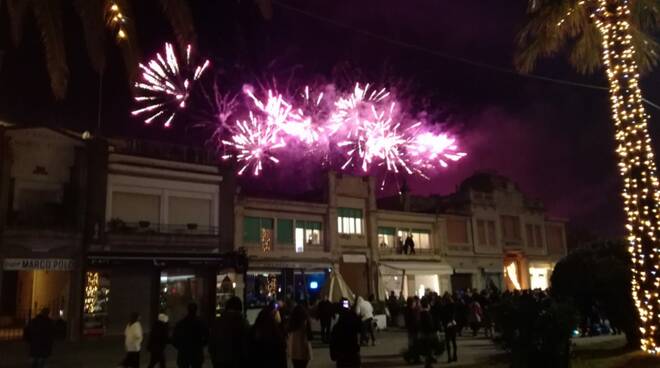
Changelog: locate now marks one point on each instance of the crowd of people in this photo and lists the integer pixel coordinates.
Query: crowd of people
(282, 330)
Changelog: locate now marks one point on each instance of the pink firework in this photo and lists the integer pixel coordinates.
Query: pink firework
(351, 111)
(428, 149)
(165, 85)
(254, 141)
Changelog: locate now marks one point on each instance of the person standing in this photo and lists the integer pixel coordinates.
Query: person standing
(366, 312)
(449, 325)
(344, 345)
(266, 342)
(299, 346)
(409, 246)
(189, 338)
(228, 337)
(133, 342)
(326, 312)
(159, 337)
(428, 338)
(40, 334)
(475, 316)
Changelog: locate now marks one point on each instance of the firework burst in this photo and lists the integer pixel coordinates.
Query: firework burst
(254, 141)
(166, 85)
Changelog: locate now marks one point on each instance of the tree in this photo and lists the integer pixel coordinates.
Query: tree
(616, 35)
(606, 284)
(98, 17)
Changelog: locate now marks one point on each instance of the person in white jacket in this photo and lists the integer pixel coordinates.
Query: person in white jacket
(133, 342)
(365, 310)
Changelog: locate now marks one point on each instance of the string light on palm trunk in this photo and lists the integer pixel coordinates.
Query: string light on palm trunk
(116, 20)
(637, 166)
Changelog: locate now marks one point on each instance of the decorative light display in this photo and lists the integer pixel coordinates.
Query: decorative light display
(91, 292)
(166, 85)
(266, 238)
(512, 273)
(636, 159)
(116, 20)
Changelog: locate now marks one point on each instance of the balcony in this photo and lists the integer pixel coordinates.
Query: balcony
(391, 251)
(42, 230)
(147, 236)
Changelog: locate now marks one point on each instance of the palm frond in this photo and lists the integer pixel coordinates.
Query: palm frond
(17, 10)
(585, 55)
(646, 15)
(646, 50)
(48, 14)
(180, 17)
(549, 27)
(91, 15)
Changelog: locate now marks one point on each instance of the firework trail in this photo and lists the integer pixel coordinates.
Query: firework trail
(254, 141)
(166, 85)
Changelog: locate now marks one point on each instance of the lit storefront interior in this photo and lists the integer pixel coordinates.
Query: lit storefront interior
(414, 278)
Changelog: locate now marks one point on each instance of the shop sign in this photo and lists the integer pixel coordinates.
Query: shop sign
(46, 264)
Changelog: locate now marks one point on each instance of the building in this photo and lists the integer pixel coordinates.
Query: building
(97, 228)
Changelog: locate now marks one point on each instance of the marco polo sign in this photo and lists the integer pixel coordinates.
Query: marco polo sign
(46, 264)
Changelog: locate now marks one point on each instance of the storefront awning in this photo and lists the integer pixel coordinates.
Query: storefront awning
(415, 268)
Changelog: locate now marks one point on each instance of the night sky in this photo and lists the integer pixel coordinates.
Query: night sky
(555, 141)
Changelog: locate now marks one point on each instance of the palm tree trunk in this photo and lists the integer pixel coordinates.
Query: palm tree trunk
(636, 164)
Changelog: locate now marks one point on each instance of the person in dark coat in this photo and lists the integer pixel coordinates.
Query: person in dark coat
(449, 325)
(428, 337)
(326, 312)
(40, 334)
(158, 340)
(266, 341)
(228, 337)
(409, 245)
(189, 338)
(344, 343)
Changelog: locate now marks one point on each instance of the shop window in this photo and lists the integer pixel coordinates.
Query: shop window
(457, 231)
(258, 230)
(284, 231)
(307, 233)
(538, 278)
(95, 307)
(349, 221)
(386, 237)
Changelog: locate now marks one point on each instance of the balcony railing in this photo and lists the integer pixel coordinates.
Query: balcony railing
(391, 250)
(148, 228)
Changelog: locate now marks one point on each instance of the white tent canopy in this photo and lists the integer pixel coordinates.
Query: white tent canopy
(336, 288)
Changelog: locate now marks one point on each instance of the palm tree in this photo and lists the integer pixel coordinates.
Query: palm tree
(98, 17)
(615, 35)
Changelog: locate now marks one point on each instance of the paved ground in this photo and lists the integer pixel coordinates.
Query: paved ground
(107, 352)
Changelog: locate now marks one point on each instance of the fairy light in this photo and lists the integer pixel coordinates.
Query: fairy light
(116, 20)
(91, 292)
(636, 160)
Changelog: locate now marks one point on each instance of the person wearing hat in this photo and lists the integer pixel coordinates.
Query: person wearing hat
(158, 340)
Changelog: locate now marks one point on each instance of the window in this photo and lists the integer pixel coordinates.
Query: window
(386, 237)
(492, 234)
(307, 233)
(258, 230)
(529, 229)
(555, 238)
(183, 211)
(510, 228)
(457, 231)
(422, 239)
(538, 236)
(284, 231)
(481, 232)
(534, 236)
(349, 221)
(136, 207)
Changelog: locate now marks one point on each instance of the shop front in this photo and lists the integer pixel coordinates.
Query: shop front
(30, 285)
(118, 285)
(414, 278)
(539, 275)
